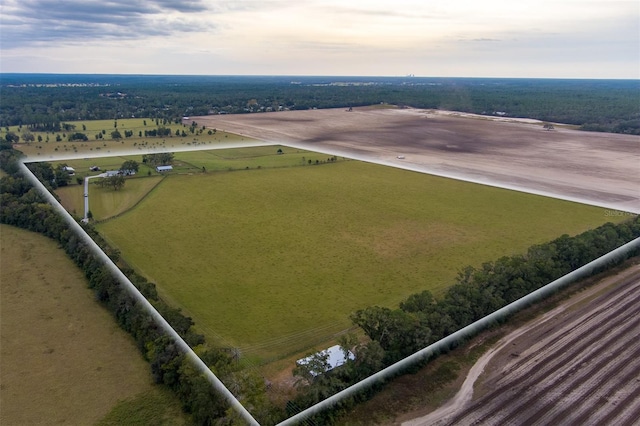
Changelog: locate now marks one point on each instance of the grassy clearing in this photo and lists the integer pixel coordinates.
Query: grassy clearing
(105, 202)
(63, 358)
(256, 157)
(49, 145)
(274, 260)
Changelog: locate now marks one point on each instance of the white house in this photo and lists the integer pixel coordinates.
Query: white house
(69, 170)
(161, 169)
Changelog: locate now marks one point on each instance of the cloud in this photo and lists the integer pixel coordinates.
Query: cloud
(37, 22)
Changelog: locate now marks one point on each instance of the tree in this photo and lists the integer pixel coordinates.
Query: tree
(116, 135)
(313, 366)
(62, 175)
(27, 136)
(78, 136)
(11, 137)
(548, 126)
(163, 158)
(419, 302)
(128, 167)
(115, 181)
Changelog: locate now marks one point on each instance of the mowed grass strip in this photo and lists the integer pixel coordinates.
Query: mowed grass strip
(63, 359)
(275, 260)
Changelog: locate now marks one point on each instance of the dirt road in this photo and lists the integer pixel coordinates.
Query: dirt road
(596, 168)
(578, 364)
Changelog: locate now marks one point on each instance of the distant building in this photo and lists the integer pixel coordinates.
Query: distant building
(110, 173)
(335, 358)
(161, 169)
(69, 170)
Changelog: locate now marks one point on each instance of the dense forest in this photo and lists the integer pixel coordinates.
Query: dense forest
(43, 101)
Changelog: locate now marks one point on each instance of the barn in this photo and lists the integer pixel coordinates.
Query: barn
(161, 169)
(335, 357)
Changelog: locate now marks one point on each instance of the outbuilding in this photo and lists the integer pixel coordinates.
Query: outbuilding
(335, 357)
(161, 169)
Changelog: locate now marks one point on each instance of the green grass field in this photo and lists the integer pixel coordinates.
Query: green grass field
(274, 260)
(63, 359)
(105, 202)
(48, 145)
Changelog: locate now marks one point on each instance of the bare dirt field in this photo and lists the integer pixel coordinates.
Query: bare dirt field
(595, 168)
(578, 364)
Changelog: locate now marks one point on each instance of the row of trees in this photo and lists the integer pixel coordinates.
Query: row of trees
(422, 319)
(22, 206)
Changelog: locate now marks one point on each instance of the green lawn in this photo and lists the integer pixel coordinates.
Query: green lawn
(274, 260)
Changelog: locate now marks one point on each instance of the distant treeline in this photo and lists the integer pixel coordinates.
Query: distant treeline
(43, 101)
(22, 205)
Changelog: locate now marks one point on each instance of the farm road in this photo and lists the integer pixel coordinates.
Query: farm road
(578, 364)
(595, 168)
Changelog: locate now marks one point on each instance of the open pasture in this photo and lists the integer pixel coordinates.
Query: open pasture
(273, 261)
(63, 359)
(46, 144)
(105, 202)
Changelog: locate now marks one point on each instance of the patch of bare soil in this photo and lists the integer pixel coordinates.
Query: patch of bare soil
(595, 168)
(577, 364)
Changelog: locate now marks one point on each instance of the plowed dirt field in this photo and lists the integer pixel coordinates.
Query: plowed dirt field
(577, 365)
(596, 168)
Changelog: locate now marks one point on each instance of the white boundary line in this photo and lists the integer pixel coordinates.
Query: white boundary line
(139, 298)
(402, 165)
(463, 333)
(385, 373)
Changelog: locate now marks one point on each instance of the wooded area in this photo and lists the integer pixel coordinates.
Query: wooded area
(44, 101)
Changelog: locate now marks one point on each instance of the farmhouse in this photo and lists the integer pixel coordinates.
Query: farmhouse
(334, 356)
(110, 173)
(161, 169)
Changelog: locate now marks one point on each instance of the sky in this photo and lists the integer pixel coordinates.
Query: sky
(430, 38)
